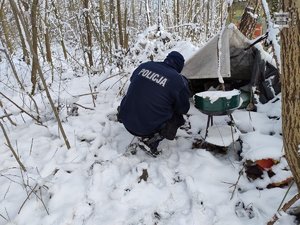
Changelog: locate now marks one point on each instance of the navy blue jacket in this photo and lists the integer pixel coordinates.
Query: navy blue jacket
(155, 93)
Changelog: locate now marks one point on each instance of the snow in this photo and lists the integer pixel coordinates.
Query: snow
(221, 135)
(273, 33)
(267, 147)
(98, 182)
(215, 95)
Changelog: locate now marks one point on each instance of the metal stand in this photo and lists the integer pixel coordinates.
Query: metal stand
(210, 122)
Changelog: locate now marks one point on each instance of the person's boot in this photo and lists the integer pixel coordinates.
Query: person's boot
(152, 144)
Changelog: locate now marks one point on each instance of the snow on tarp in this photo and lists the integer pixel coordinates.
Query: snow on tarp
(260, 146)
(215, 95)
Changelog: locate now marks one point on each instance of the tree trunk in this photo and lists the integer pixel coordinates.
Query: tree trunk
(47, 35)
(147, 13)
(58, 17)
(5, 28)
(88, 32)
(120, 27)
(177, 14)
(290, 56)
(249, 18)
(22, 39)
(125, 26)
(133, 13)
(34, 37)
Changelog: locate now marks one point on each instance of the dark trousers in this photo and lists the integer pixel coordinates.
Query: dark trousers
(169, 129)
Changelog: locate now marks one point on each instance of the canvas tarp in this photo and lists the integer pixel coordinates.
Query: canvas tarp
(205, 62)
(241, 65)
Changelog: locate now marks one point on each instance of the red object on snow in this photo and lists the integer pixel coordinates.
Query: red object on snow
(265, 163)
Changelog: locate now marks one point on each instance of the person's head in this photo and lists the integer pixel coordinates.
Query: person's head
(176, 60)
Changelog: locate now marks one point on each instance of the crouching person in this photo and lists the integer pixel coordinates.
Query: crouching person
(157, 98)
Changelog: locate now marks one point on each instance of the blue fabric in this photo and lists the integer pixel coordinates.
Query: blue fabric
(155, 93)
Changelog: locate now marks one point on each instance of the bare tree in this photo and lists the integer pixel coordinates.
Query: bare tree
(21, 35)
(5, 28)
(120, 24)
(47, 34)
(89, 38)
(34, 36)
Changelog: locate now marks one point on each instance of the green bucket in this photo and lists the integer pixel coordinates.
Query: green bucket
(217, 102)
(245, 98)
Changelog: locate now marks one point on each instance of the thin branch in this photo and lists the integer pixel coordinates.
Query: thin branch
(31, 146)
(7, 190)
(13, 68)
(236, 183)
(92, 93)
(43, 201)
(22, 110)
(27, 198)
(11, 148)
(18, 80)
(284, 197)
(3, 217)
(112, 77)
(7, 115)
(1, 175)
(83, 106)
(284, 208)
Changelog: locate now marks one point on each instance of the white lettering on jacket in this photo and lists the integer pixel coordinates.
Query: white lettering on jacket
(155, 77)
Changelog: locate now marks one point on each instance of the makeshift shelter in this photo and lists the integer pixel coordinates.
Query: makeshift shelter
(242, 67)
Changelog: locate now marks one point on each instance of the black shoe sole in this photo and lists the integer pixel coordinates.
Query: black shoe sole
(133, 148)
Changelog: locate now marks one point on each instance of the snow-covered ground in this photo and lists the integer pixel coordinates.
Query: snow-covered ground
(98, 182)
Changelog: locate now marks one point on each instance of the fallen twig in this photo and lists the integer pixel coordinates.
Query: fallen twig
(40, 198)
(291, 184)
(31, 146)
(285, 207)
(3, 217)
(236, 183)
(7, 115)
(91, 93)
(83, 106)
(27, 198)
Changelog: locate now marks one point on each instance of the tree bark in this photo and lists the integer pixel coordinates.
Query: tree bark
(22, 39)
(47, 35)
(120, 27)
(88, 32)
(290, 57)
(34, 37)
(249, 19)
(5, 28)
(58, 17)
(126, 35)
